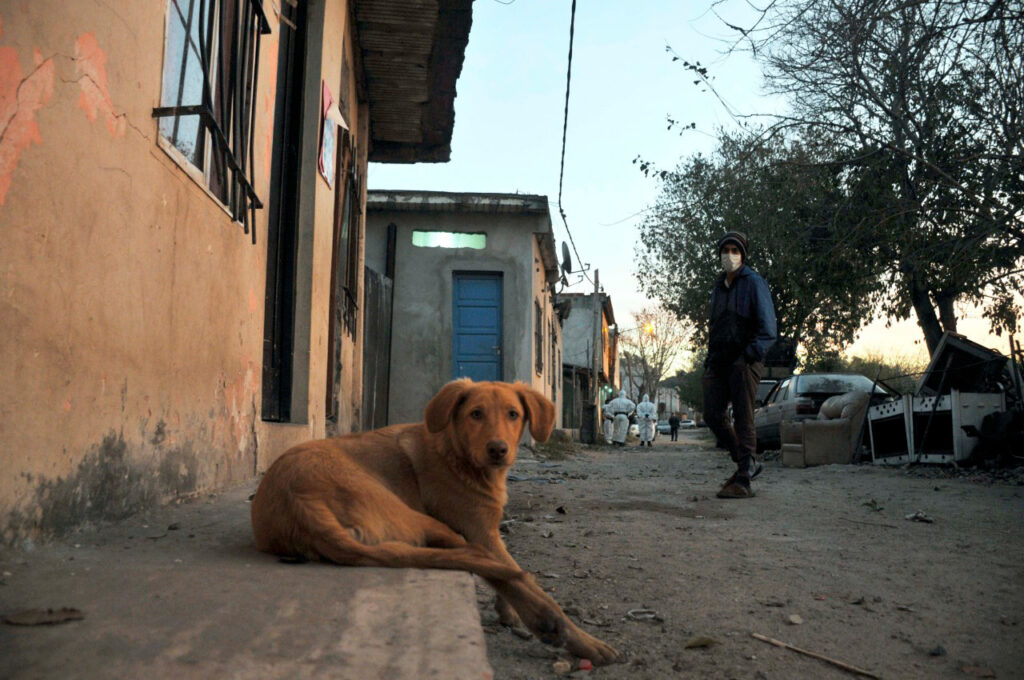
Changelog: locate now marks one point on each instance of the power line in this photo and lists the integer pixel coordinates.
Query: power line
(628, 217)
(565, 127)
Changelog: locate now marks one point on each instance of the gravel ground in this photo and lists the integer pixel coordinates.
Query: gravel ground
(635, 546)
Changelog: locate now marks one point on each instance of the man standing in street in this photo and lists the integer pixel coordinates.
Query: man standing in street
(741, 329)
(673, 426)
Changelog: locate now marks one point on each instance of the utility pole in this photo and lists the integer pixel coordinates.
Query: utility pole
(597, 357)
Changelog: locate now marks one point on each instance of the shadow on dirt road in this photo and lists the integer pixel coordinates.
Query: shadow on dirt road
(635, 546)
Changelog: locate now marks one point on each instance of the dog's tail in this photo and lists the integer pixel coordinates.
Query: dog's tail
(329, 539)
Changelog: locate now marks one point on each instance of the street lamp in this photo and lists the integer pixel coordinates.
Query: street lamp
(647, 328)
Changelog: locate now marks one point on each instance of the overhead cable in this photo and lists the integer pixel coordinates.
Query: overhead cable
(565, 126)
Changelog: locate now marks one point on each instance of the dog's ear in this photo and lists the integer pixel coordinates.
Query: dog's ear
(540, 411)
(441, 408)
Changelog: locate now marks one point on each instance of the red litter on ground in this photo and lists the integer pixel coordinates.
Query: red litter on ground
(819, 597)
(585, 665)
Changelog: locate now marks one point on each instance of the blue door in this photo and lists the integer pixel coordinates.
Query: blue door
(476, 327)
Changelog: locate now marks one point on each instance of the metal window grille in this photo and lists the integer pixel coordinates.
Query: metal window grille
(211, 70)
(348, 218)
(555, 372)
(538, 328)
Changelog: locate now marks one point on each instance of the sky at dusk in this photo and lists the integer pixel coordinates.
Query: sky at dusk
(509, 116)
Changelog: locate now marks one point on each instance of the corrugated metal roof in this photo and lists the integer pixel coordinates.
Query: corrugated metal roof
(411, 53)
(448, 201)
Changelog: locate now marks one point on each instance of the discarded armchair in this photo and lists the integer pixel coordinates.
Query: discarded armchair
(833, 437)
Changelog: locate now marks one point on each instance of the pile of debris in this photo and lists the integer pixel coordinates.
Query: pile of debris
(968, 409)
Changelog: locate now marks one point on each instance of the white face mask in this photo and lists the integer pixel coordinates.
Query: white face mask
(731, 262)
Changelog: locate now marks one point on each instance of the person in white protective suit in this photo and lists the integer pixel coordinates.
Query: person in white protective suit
(647, 415)
(607, 422)
(620, 407)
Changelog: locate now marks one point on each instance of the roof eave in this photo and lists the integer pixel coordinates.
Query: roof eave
(411, 57)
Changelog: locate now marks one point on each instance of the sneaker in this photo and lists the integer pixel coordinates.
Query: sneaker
(736, 489)
(755, 468)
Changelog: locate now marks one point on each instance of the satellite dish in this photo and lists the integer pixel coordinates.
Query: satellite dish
(566, 258)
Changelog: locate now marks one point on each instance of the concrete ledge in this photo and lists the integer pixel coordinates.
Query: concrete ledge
(182, 593)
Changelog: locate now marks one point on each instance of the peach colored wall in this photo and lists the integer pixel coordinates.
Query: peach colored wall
(131, 305)
(542, 295)
(336, 48)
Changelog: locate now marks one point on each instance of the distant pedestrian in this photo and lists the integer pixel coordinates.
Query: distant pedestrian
(673, 426)
(647, 414)
(742, 328)
(620, 407)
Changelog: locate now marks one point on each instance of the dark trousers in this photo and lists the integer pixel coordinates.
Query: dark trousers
(675, 433)
(737, 384)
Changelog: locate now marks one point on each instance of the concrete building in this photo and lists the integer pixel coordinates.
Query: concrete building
(182, 199)
(472, 277)
(578, 357)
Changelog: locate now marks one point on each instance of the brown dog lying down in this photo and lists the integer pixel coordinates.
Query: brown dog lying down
(425, 495)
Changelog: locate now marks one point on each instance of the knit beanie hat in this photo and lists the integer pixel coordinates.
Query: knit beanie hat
(735, 237)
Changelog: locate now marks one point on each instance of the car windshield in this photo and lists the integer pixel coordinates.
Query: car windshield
(835, 384)
(763, 389)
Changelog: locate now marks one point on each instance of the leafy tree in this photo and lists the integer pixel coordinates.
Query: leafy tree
(923, 103)
(687, 379)
(793, 207)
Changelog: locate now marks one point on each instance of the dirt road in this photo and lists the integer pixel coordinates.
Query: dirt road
(634, 544)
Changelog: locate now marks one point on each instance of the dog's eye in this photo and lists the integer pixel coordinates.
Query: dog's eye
(512, 415)
(476, 414)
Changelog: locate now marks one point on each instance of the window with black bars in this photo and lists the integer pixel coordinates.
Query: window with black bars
(555, 368)
(344, 265)
(538, 336)
(211, 67)
(348, 218)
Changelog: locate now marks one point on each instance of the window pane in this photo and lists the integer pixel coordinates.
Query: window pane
(183, 78)
(448, 239)
(343, 240)
(837, 384)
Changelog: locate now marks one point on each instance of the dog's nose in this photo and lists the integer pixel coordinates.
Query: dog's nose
(497, 449)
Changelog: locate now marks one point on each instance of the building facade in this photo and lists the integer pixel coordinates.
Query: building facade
(472, 277)
(182, 191)
(578, 356)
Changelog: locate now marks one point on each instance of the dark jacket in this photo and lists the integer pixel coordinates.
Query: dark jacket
(742, 319)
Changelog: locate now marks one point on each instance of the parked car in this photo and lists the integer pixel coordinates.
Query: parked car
(687, 424)
(799, 397)
(663, 427)
(763, 388)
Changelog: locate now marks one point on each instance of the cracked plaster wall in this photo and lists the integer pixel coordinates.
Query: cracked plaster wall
(132, 306)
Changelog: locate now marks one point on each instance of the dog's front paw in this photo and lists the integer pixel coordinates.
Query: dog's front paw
(548, 626)
(586, 646)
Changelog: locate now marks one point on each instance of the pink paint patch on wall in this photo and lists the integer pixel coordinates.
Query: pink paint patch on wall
(91, 67)
(21, 97)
